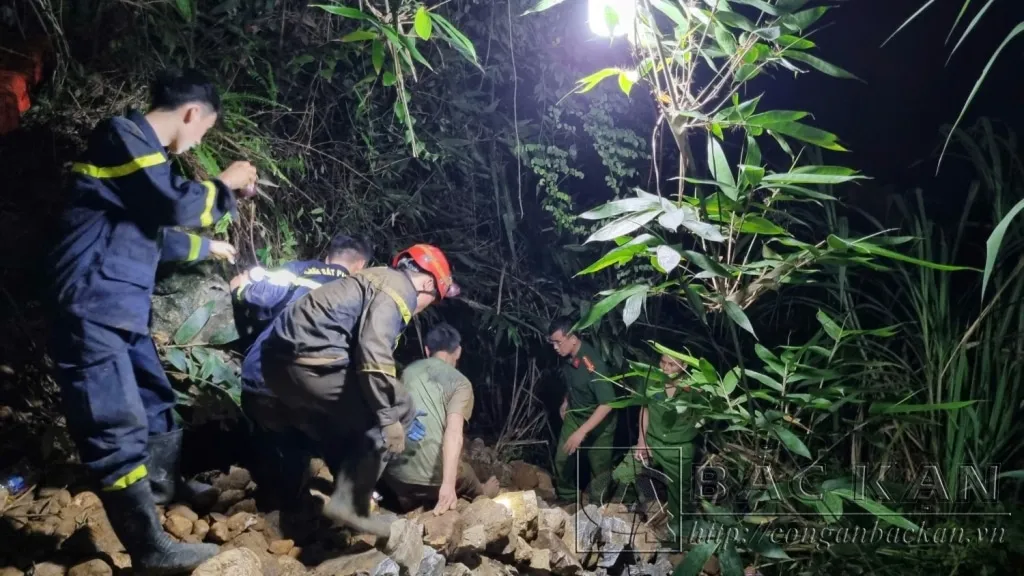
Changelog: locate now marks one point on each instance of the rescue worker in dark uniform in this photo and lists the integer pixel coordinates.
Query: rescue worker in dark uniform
(329, 359)
(282, 458)
(116, 397)
(586, 415)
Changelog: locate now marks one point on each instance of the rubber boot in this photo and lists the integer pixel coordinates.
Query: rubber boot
(354, 480)
(132, 515)
(164, 476)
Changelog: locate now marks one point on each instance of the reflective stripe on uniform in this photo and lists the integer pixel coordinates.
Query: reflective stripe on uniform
(402, 307)
(206, 218)
(128, 479)
(140, 163)
(195, 245)
(286, 278)
(386, 369)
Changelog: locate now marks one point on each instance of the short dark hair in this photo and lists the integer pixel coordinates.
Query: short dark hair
(174, 88)
(561, 324)
(341, 244)
(443, 338)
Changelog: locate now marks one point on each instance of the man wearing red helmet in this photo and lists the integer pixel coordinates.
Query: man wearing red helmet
(329, 359)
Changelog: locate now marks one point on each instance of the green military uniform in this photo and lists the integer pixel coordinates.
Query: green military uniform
(670, 436)
(585, 390)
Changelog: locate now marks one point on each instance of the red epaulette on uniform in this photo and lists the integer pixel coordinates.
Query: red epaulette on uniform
(588, 364)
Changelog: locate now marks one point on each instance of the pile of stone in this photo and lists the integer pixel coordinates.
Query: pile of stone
(56, 533)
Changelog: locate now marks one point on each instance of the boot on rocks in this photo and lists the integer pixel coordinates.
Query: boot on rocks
(132, 515)
(165, 478)
(353, 491)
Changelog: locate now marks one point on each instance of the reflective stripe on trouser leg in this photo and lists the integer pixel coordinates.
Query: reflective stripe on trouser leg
(105, 412)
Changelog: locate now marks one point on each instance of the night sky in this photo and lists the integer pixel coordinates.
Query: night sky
(893, 119)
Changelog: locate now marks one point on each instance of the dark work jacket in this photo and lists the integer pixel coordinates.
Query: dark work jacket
(123, 193)
(353, 322)
(265, 295)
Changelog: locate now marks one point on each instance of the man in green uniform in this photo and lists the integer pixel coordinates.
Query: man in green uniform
(431, 472)
(666, 440)
(586, 418)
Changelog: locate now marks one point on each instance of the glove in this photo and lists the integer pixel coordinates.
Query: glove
(417, 431)
(394, 438)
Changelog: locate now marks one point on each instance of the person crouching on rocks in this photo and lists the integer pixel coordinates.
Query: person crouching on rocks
(329, 361)
(431, 471)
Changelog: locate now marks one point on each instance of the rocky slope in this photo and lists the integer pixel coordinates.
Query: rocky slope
(57, 531)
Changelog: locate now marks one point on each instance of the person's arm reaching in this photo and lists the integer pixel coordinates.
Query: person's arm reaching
(144, 180)
(451, 451)
(177, 246)
(380, 326)
(459, 408)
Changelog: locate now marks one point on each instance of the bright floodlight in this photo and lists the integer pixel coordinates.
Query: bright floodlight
(619, 12)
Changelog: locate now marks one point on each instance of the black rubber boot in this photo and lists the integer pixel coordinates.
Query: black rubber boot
(164, 476)
(132, 515)
(354, 479)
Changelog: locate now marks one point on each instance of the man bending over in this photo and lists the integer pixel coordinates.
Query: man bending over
(431, 471)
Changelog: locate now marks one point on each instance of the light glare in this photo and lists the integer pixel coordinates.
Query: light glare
(597, 16)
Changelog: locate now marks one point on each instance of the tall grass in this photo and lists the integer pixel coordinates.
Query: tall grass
(958, 350)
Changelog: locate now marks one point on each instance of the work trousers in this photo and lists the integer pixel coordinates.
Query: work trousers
(596, 450)
(114, 394)
(327, 405)
(674, 464)
(281, 453)
(412, 496)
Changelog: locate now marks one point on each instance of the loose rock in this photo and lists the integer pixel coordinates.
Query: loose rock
(348, 565)
(49, 569)
(178, 526)
(281, 547)
(95, 567)
(523, 506)
(552, 520)
(405, 545)
(200, 529)
(184, 512)
(237, 562)
(562, 559)
(485, 525)
(433, 563)
(442, 532)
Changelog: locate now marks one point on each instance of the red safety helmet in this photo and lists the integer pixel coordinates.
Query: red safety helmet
(432, 260)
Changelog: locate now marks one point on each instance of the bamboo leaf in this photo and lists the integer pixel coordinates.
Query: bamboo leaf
(343, 11)
(422, 23)
(377, 55)
(879, 510)
(631, 311)
(791, 441)
(542, 6)
(814, 175)
(359, 36)
(736, 314)
(821, 65)
(617, 256)
(625, 225)
(764, 379)
(719, 167)
(668, 258)
(889, 408)
(608, 303)
(695, 559)
(671, 11)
